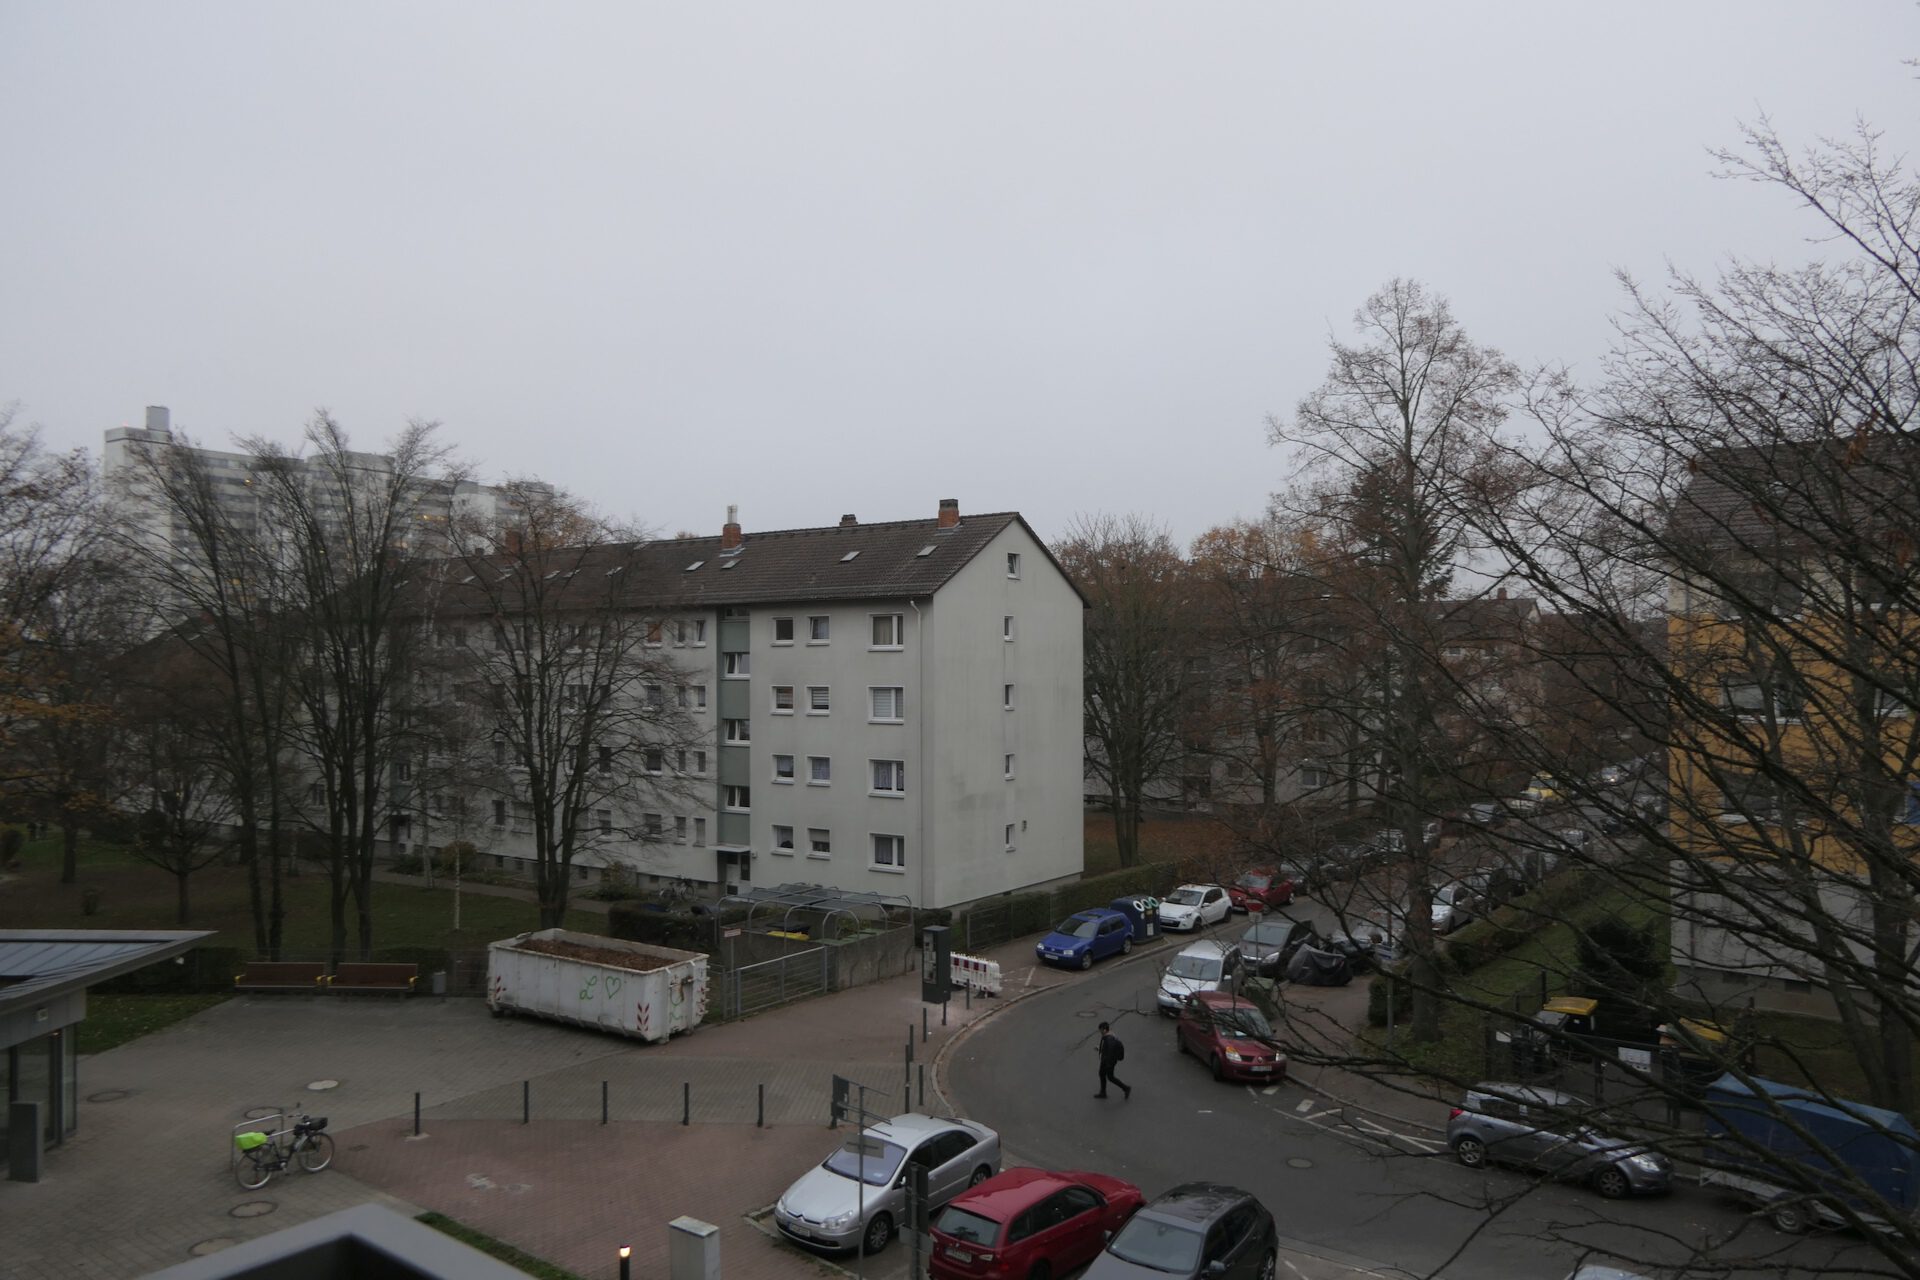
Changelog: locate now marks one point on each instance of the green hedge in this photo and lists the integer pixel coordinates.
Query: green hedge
(1038, 910)
(1484, 941)
(1377, 1000)
(201, 969)
(681, 930)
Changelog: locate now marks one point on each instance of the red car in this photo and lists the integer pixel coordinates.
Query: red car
(1024, 1223)
(1231, 1036)
(1259, 889)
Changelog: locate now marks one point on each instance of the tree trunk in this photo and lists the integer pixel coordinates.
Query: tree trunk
(181, 913)
(69, 849)
(1126, 834)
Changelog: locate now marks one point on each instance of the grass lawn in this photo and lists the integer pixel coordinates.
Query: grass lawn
(113, 1020)
(134, 895)
(496, 1249)
(1163, 838)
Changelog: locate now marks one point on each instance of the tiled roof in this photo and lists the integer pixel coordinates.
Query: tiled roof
(903, 558)
(1798, 491)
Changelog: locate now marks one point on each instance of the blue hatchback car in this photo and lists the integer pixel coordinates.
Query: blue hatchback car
(1086, 936)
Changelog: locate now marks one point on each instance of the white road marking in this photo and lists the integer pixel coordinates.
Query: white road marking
(1306, 1104)
(1270, 1090)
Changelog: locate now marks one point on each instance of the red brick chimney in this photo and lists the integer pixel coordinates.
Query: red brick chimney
(949, 512)
(847, 521)
(730, 531)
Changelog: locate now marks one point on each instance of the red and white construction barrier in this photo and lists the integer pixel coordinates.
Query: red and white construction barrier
(981, 975)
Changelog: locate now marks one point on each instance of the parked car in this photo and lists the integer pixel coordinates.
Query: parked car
(1542, 1130)
(1029, 1222)
(1303, 874)
(1086, 936)
(1612, 775)
(1350, 858)
(1194, 906)
(1231, 1036)
(823, 1208)
(1270, 942)
(1260, 889)
(1544, 790)
(1454, 904)
(1200, 966)
(1197, 1229)
(1488, 813)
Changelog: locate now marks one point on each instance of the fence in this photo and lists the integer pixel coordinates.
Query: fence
(763, 985)
(987, 925)
(1636, 1082)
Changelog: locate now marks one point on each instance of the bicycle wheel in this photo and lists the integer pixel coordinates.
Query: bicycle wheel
(252, 1172)
(317, 1153)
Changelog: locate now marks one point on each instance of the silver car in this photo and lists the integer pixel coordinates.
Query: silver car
(1541, 1129)
(856, 1197)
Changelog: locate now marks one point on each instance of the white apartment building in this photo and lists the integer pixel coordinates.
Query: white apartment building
(891, 708)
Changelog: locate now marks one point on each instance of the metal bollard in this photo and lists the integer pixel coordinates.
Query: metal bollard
(923, 1024)
(416, 1115)
(761, 1123)
(943, 1010)
(923, 1085)
(967, 995)
(526, 1102)
(909, 1042)
(603, 1102)
(686, 1102)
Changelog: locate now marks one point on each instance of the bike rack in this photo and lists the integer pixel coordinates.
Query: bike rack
(274, 1125)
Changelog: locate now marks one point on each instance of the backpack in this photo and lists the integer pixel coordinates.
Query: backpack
(1119, 1049)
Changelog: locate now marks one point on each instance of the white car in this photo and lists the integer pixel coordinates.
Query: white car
(1194, 906)
(1453, 906)
(824, 1208)
(1200, 966)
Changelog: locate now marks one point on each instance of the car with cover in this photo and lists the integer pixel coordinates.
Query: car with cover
(1197, 1229)
(1086, 936)
(829, 1208)
(1023, 1223)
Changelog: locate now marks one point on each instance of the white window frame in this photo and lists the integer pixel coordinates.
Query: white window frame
(896, 859)
(699, 833)
(778, 708)
(819, 700)
(892, 772)
(786, 778)
(603, 819)
(737, 731)
(699, 633)
(776, 632)
(699, 764)
(817, 836)
(699, 697)
(680, 828)
(819, 771)
(736, 665)
(899, 704)
(1009, 835)
(653, 826)
(1009, 766)
(1006, 697)
(784, 850)
(898, 629)
(736, 797)
(1013, 564)
(1006, 627)
(819, 629)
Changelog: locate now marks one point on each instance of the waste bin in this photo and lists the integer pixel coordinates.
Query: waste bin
(1142, 913)
(439, 982)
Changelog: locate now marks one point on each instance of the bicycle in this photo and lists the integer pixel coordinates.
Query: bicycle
(264, 1154)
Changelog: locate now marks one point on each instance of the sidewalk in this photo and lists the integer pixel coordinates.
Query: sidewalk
(145, 1182)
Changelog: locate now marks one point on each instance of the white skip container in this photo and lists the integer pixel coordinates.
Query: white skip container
(630, 988)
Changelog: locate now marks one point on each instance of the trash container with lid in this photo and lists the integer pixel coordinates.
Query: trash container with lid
(1140, 915)
(439, 982)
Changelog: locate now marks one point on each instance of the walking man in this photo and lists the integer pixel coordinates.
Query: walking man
(1111, 1051)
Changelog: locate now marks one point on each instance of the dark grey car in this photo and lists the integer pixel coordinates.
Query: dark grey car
(1270, 942)
(1197, 1229)
(1542, 1130)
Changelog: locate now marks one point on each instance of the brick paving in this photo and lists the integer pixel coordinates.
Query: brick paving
(146, 1178)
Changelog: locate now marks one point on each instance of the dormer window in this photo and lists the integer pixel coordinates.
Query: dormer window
(695, 565)
(849, 556)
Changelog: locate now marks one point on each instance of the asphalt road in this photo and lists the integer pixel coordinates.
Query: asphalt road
(1345, 1190)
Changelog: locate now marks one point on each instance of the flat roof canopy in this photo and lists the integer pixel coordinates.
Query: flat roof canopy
(36, 965)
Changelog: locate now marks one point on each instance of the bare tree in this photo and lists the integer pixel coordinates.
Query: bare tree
(170, 756)
(1133, 579)
(561, 676)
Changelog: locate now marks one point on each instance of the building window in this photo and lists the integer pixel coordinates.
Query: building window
(654, 635)
(819, 842)
(1006, 696)
(499, 813)
(1009, 837)
(403, 770)
(699, 697)
(783, 768)
(653, 825)
(522, 818)
(737, 798)
(656, 696)
(679, 633)
(819, 699)
(1009, 763)
(889, 777)
(680, 760)
(819, 770)
(890, 852)
(889, 706)
(699, 764)
(576, 695)
(1314, 774)
(681, 696)
(739, 731)
(499, 753)
(656, 761)
(783, 699)
(817, 632)
(1013, 564)
(606, 759)
(1006, 628)
(604, 819)
(737, 665)
(700, 832)
(783, 630)
(680, 830)
(889, 630)
(1747, 697)
(1748, 797)
(699, 632)
(783, 840)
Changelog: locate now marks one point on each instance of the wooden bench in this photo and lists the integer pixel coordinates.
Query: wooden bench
(397, 979)
(281, 975)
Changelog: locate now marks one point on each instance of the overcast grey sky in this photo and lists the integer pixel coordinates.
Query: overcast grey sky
(824, 258)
